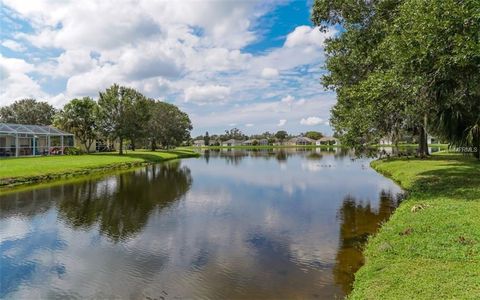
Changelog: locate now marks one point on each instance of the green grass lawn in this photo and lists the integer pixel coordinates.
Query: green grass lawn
(430, 247)
(34, 169)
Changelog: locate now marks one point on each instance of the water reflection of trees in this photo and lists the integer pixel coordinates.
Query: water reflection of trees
(122, 206)
(314, 155)
(235, 156)
(27, 203)
(358, 221)
(119, 205)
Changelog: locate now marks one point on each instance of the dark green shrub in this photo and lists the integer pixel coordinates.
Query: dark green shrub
(72, 151)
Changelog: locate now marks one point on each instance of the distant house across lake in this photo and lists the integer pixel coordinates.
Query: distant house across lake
(385, 141)
(327, 140)
(301, 141)
(255, 142)
(231, 143)
(199, 143)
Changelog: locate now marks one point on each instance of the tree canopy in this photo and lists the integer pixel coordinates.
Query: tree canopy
(314, 135)
(79, 117)
(168, 126)
(409, 65)
(281, 135)
(233, 133)
(121, 113)
(28, 111)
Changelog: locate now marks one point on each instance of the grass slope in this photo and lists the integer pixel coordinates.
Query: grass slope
(17, 171)
(432, 252)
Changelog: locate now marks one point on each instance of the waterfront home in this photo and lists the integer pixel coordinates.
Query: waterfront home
(255, 142)
(385, 141)
(263, 142)
(431, 139)
(199, 143)
(231, 143)
(301, 141)
(327, 140)
(31, 140)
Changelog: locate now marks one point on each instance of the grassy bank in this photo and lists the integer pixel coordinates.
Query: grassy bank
(17, 171)
(430, 247)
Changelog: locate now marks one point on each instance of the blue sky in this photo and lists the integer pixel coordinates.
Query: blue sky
(254, 65)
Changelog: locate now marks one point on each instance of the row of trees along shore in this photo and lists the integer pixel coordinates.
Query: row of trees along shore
(236, 134)
(403, 66)
(121, 113)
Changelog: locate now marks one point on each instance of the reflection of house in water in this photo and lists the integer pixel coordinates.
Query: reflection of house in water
(358, 221)
(329, 150)
(233, 156)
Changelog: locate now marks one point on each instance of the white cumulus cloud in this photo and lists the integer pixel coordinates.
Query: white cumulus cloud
(269, 73)
(190, 53)
(16, 82)
(307, 36)
(311, 121)
(207, 94)
(13, 45)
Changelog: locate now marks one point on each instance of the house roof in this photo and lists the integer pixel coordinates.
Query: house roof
(302, 138)
(257, 140)
(327, 138)
(232, 141)
(10, 128)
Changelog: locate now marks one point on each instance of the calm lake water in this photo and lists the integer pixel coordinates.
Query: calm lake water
(230, 224)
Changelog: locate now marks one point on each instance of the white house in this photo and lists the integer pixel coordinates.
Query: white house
(327, 140)
(231, 143)
(431, 139)
(385, 141)
(301, 141)
(199, 143)
(261, 142)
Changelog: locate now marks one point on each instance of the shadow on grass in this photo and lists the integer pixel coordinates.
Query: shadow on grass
(458, 178)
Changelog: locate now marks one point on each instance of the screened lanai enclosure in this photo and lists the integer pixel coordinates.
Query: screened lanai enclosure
(30, 140)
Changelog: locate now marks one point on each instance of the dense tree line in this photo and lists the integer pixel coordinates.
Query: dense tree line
(121, 113)
(404, 66)
(235, 133)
